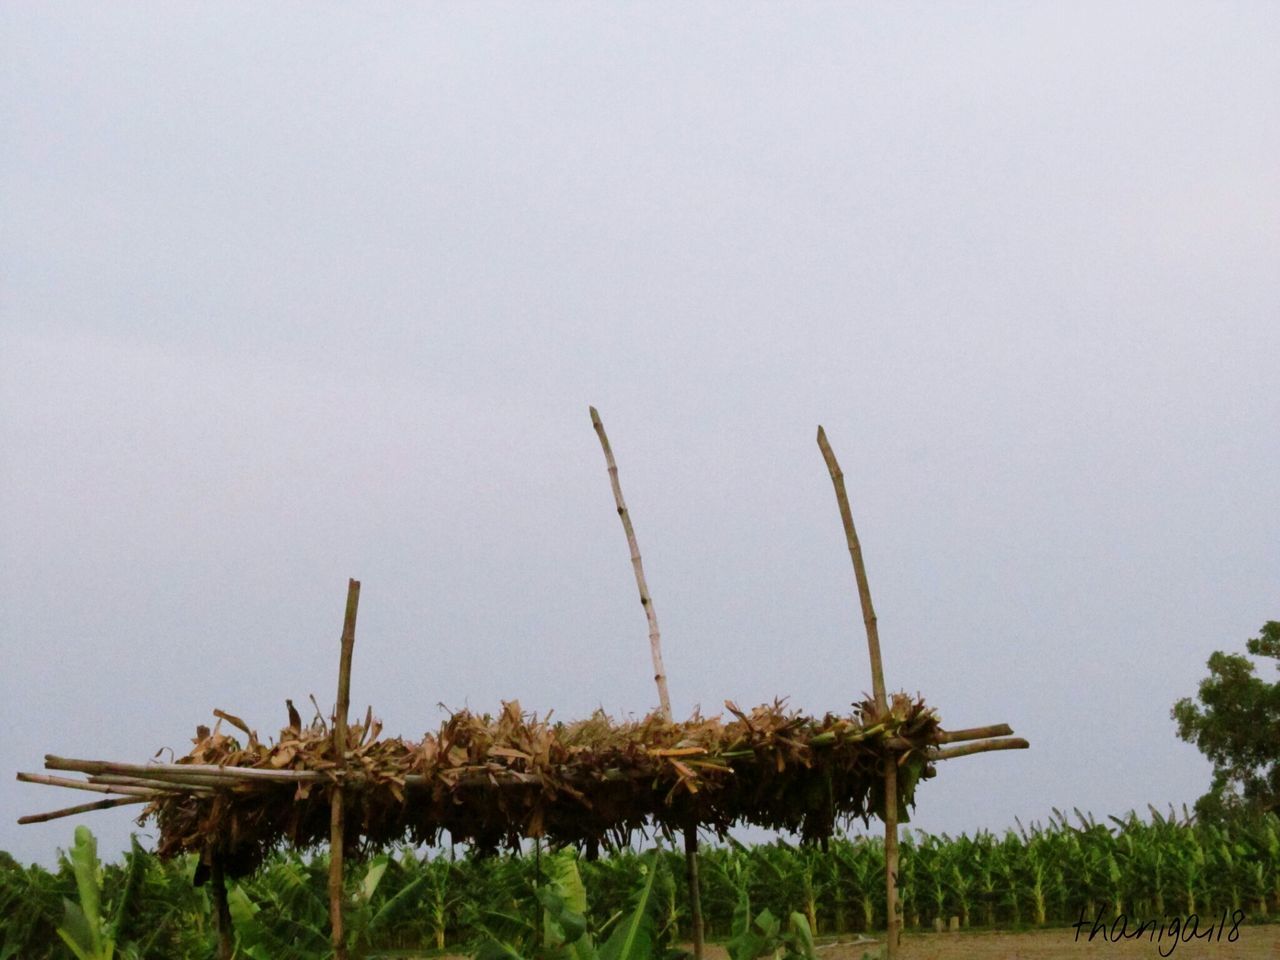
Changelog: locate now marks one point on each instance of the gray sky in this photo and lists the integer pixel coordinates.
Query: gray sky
(303, 292)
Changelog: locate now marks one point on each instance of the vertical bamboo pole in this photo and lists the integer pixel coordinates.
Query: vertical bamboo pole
(221, 910)
(892, 907)
(340, 755)
(695, 893)
(894, 921)
(659, 672)
(655, 639)
(540, 914)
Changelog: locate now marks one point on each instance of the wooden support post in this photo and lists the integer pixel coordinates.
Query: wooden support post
(221, 910)
(892, 907)
(540, 913)
(340, 760)
(695, 891)
(894, 921)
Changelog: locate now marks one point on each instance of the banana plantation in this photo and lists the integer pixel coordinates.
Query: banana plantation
(631, 904)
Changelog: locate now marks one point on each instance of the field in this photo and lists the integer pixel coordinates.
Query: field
(1035, 881)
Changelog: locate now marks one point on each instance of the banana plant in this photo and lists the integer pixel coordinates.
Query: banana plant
(427, 888)
(985, 884)
(31, 904)
(284, 915)
(763, 936)
(863, 865)
(564, 932)
(806, 863)
(85, 929)
(728, 872)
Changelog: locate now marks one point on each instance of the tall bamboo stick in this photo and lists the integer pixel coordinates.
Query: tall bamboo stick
(659, 671)
(877, 684)
(859, 570)
(340, 759)
(655, 639)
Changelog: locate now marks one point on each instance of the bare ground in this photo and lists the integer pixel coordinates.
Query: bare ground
(1257, 942)
(1253, 943)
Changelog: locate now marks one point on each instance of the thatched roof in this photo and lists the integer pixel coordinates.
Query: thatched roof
(492, 780)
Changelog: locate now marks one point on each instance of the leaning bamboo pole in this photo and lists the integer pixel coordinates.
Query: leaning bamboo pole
(655, 639)
(894, 921)
(659, 672)
(859, 569)
(340, 760)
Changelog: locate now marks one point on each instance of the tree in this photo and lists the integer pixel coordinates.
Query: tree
(1236, 725)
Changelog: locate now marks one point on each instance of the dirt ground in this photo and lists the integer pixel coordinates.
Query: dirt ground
(1254, 943)
(1258, 942)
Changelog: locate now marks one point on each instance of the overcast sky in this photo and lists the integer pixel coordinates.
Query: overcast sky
(297, 293)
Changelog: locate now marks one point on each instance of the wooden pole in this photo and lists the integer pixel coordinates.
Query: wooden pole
(976, 733)
(980, 746)
(695, 890)
(195, 772)
(659, 671)
(340, 760)
(894, 920)
(221, 910)
(82, 808)
(859, 570)
(537, 882)
(163, 787)
(655, 639)
(877, 683)
(85, 785)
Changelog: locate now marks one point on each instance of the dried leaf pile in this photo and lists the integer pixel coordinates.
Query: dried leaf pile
(492, 780)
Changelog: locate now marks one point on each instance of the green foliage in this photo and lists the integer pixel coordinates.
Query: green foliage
(631, 906)
(281, 914)
(763, 936)
(31, 905)
(1236, 725)
(84, 929)
(564, 932)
